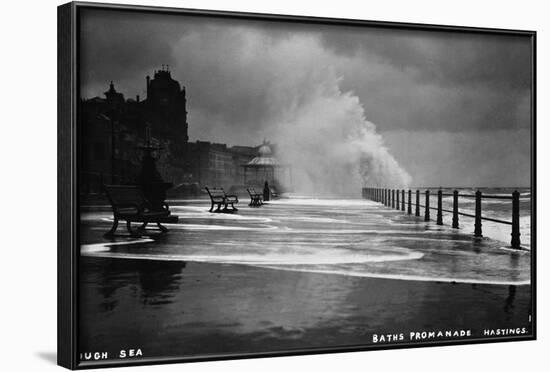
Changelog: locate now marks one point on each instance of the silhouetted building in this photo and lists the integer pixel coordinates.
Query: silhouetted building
(113, 128)
(165, 108)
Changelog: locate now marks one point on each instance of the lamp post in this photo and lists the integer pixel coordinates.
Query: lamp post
(112, 150)
(111, 119)
(153, 186)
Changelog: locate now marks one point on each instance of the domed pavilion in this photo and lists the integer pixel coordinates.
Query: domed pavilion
(266, 167)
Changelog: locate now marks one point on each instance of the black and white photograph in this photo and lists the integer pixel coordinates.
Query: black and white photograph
(260, 185)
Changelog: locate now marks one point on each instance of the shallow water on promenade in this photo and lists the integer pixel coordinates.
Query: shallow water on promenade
(341, 237)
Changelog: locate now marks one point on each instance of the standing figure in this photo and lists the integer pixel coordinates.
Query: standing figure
(267, 192)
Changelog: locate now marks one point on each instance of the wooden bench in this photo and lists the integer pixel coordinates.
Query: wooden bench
(256, 199)
(219, 197)
(130, 205)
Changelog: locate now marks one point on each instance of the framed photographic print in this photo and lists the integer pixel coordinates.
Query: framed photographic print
(240, 185)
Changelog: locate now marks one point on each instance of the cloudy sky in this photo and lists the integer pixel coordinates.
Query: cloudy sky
(417, 107)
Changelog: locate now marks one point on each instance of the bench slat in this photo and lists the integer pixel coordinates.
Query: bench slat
(165, 219)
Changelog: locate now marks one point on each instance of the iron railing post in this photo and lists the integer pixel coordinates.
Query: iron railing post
(409, 211)
(417, 209)
(477, 224)
(516, 243)
(427, 206)
(439, 207)
(397, 199)
(455, 209)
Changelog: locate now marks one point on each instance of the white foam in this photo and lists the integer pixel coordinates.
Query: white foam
(522, 250)
(393, 238)
(183, 200)
(403, 276)
(87, 249)
(190, 208)
(223, 216)
(333, 256)
(197, 227)
(95, 216)
(290, 230)
(500, 232)
(317, 219)
(324, 202)
(286, 263)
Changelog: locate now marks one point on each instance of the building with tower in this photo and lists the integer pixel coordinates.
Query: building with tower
(165, 106)
(113, 128)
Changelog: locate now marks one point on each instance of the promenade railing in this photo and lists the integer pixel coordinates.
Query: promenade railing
(395, 198)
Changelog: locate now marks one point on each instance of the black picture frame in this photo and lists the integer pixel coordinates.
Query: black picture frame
(68, 203)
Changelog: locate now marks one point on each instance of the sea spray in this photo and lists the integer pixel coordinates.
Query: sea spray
(325, 137)
(287, 90)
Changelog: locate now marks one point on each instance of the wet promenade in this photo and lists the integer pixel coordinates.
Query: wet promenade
(341, 237)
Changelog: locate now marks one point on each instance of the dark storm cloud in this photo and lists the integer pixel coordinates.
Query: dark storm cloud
(406, 79)
(461, 81)
(446, 58)
(122, 46)
(247, 79)
(206, 57)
